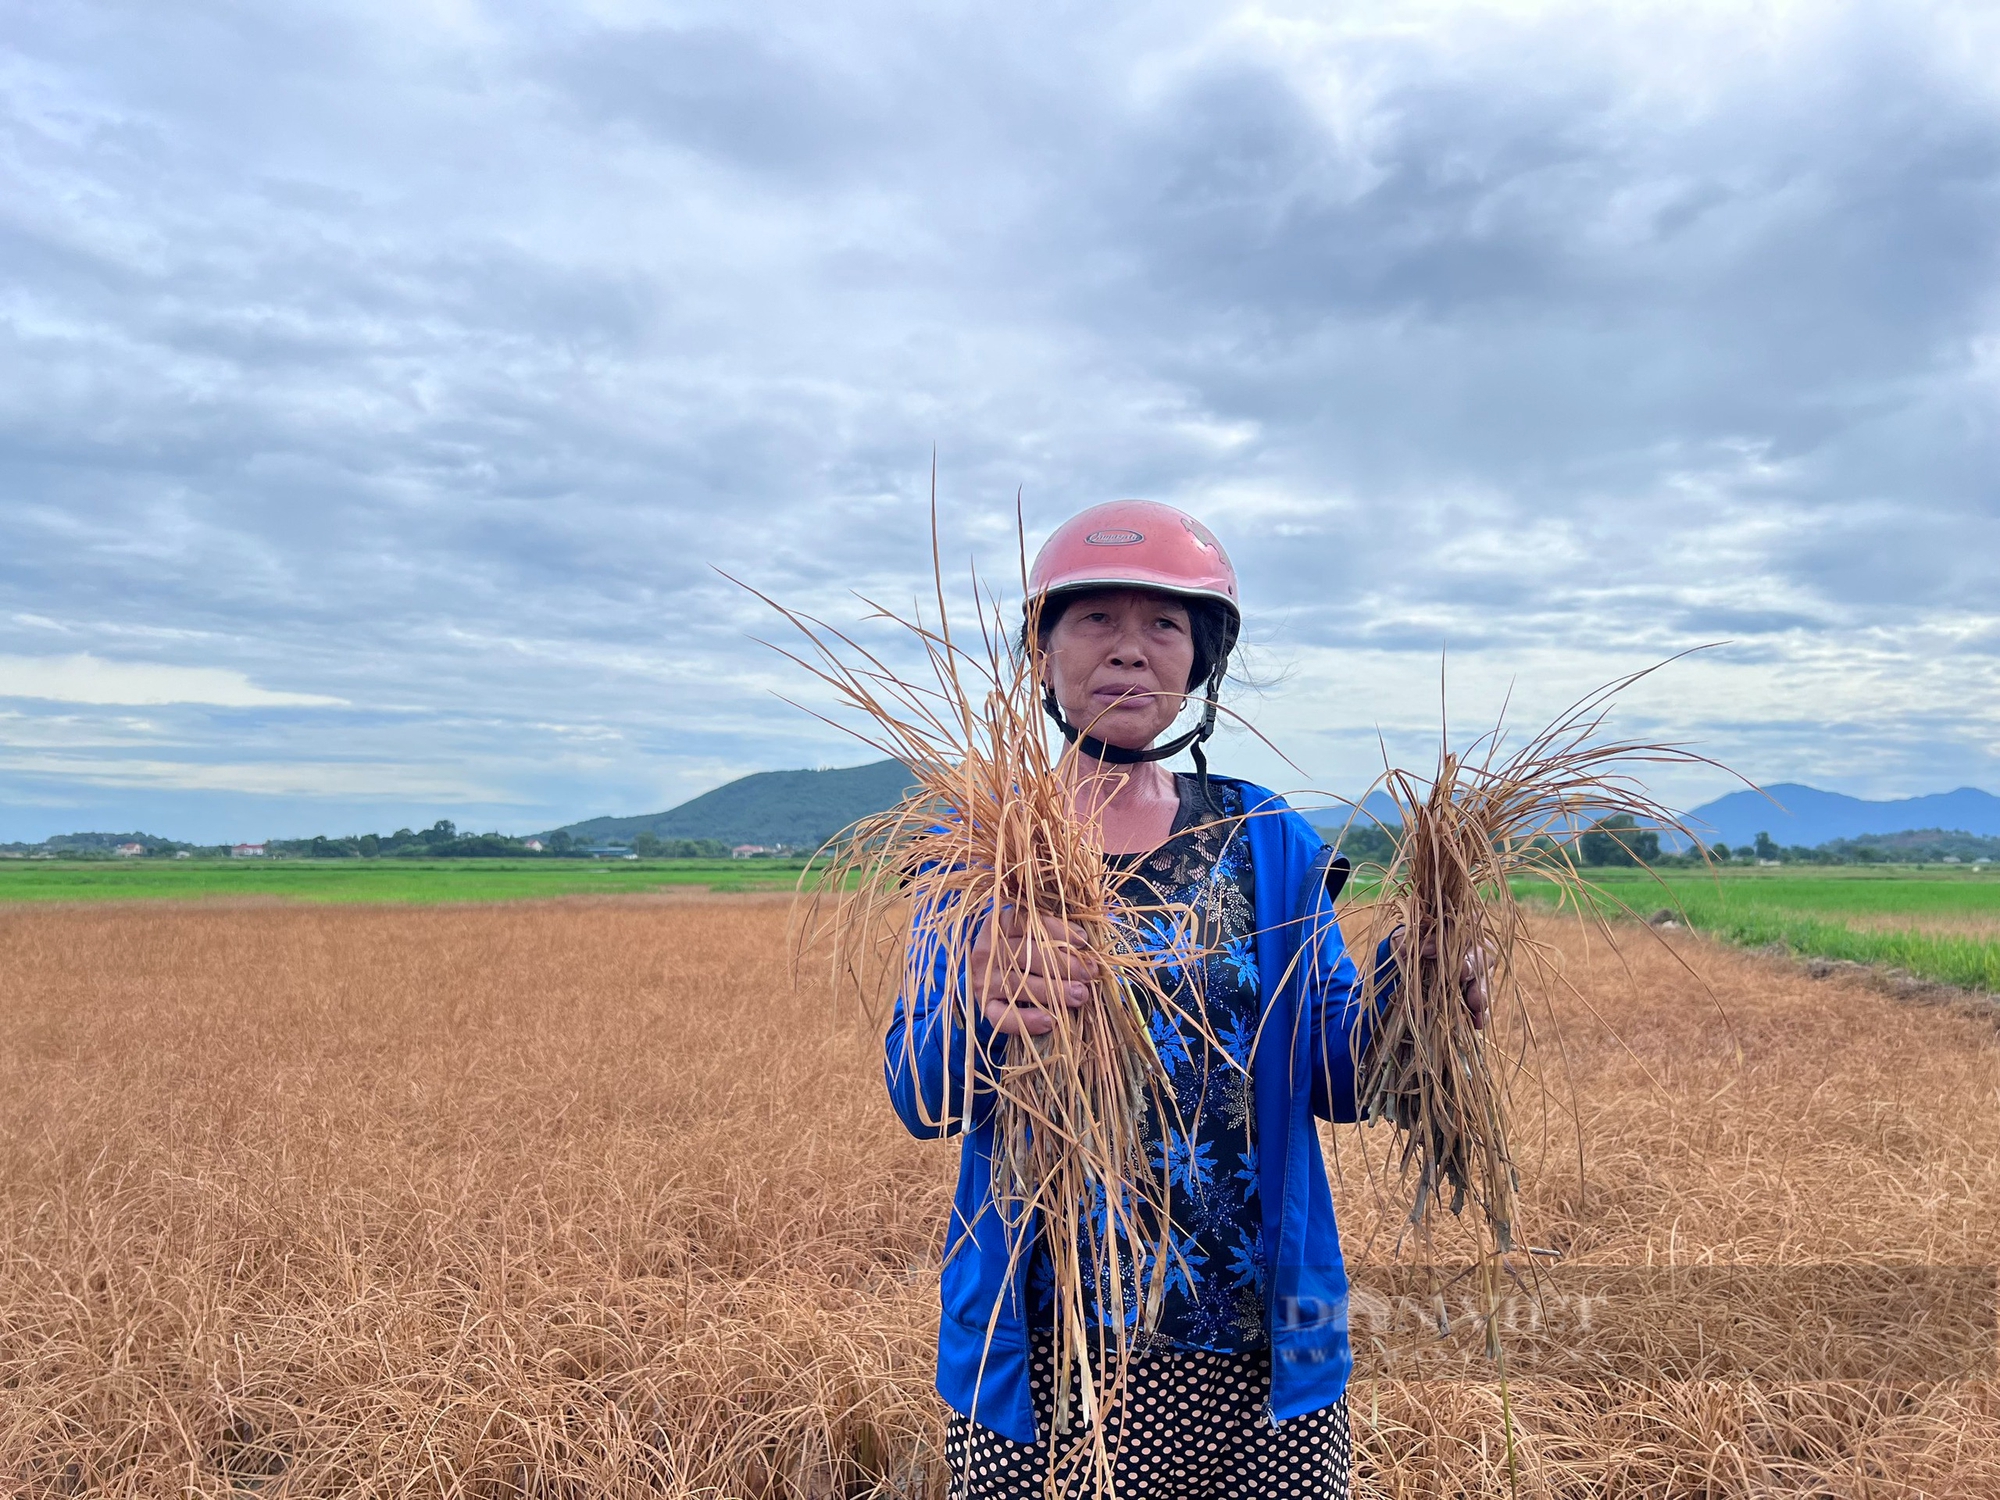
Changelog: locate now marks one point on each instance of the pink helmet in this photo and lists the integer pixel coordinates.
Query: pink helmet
(1125, 544)
(1135, 544)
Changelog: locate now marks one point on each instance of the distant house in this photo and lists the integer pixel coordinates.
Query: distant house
(128, 851)
(534, 844)
(749, 851)
(182, 854)
(246, 851)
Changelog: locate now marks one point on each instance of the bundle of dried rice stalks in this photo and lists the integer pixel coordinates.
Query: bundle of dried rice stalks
(1485, 821)
(995, 824)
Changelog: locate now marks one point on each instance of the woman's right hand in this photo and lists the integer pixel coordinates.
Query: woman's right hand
(1023, 966)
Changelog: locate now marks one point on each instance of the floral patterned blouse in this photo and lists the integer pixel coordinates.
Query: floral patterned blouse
(1215, 1273)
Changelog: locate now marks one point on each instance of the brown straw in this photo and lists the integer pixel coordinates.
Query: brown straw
(1483, 823)
(992, 825)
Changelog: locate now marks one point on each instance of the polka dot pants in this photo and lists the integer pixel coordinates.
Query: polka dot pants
(1191, 1427)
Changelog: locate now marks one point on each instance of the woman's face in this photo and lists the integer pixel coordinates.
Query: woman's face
(1119, 661)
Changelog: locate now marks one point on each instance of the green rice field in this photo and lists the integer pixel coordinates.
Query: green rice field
(1940, 924)
(1937, 923)
(407, 881)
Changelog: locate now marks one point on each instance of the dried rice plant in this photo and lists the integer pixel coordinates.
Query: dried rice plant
(1484, 821)
(991, 826)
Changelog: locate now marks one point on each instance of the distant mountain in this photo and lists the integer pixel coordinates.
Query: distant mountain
(1807, 817)
(800, 809)
(803, 809)
(1791, 814)
(1377, 808)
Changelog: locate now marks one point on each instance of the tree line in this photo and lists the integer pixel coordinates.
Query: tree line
(1619, 840)
(444, 840)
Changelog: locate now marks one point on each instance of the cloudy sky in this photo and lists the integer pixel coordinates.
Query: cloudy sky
(381, 384)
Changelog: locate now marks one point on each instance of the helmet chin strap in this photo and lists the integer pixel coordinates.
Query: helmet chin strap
(1194, 740)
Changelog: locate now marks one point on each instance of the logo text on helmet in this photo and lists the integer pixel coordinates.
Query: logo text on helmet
(1115, 538)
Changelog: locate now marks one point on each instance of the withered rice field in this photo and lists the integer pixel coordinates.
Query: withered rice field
(587, 1198)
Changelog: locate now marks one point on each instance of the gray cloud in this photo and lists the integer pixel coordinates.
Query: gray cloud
(433, 361)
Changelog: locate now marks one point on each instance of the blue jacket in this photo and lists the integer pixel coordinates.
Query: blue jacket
(1302, 1067)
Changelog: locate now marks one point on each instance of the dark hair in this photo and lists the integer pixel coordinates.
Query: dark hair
(1208, 628)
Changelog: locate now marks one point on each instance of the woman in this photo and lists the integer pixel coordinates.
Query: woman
(1239, 1391)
